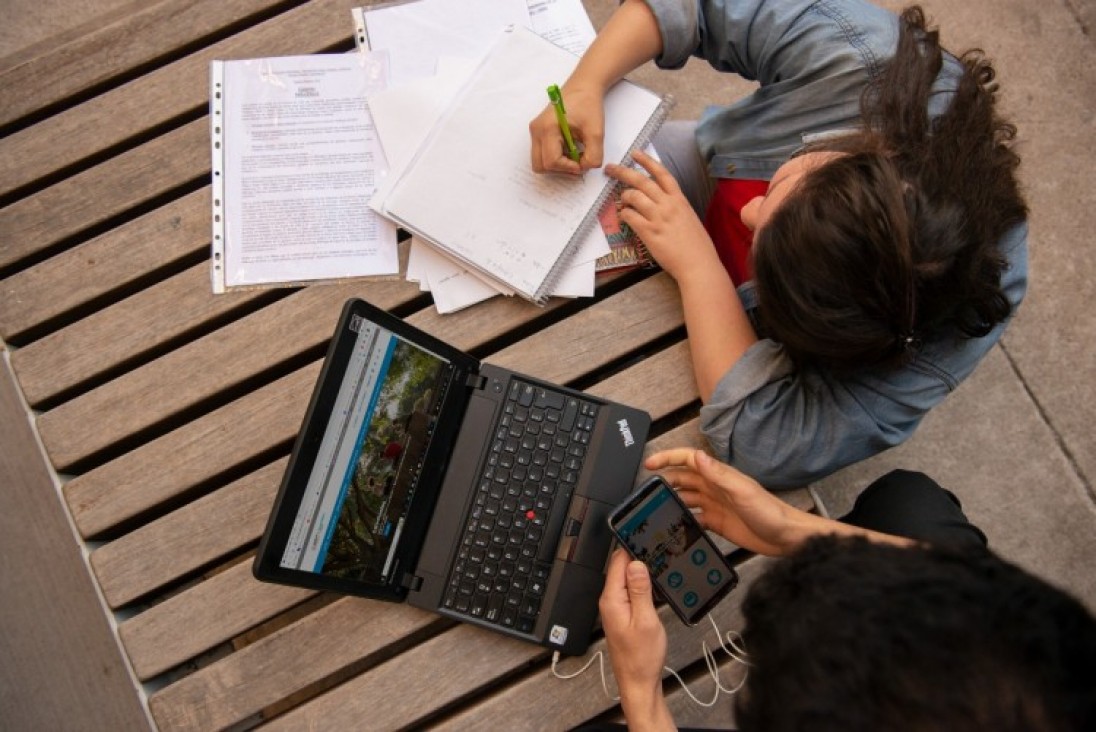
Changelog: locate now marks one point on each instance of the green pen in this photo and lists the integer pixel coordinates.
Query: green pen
(556, 98)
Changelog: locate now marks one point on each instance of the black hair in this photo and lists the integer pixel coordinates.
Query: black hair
(851, 635)
(899, 237)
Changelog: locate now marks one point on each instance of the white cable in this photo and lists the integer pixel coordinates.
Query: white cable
(599, 656)
(729, 643)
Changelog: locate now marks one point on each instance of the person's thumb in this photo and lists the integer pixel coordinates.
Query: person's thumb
(639, 586)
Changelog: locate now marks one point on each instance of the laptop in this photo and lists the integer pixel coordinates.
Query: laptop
(422, 475)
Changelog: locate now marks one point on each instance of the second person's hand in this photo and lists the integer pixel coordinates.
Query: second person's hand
(731, 503)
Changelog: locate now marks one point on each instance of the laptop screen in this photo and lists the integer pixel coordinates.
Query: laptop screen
(370, 458)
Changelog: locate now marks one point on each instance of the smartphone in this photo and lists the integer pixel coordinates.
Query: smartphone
(658, 529)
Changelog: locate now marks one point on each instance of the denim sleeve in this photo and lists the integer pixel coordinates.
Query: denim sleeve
(787, 427)
(775, 41)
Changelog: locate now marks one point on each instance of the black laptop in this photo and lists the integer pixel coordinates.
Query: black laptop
(425, 476)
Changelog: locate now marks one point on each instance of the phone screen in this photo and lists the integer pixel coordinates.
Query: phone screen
(658, 529)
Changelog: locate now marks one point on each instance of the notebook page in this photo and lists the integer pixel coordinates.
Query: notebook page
(471, 191)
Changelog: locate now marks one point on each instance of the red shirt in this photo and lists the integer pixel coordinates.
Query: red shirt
(724, 224)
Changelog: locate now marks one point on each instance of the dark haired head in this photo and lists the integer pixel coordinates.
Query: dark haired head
(898, 237)
(850, 635)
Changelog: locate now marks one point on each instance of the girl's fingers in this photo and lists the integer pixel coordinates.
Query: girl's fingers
(658, 171)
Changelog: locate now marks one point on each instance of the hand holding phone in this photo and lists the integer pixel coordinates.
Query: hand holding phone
(687, 568)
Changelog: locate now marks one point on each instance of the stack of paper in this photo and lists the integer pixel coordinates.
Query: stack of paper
(433, 46)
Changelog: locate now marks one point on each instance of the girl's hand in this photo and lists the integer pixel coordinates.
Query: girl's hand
(661, 216)
(585, 117)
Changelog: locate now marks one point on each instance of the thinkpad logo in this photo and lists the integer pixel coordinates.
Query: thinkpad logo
(626, 432)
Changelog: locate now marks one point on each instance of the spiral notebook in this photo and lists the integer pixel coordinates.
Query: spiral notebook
(470, 190)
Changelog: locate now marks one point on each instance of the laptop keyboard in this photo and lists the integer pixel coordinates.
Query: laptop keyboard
(513, 527)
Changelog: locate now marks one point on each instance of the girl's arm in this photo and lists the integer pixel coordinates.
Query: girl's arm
(719, 330)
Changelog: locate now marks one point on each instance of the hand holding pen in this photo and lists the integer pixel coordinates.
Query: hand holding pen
(581, 118)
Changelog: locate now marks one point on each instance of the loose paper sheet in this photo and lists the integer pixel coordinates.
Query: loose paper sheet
(416, 34)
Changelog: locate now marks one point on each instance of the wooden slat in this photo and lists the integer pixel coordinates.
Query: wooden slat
(119, 490)
(356, 629)
(193, 454)
(643, 312)
(163, 95)
(204, 367)
(135, 177)
(121, 332)
(197, 534)
(212, 612)
(106, 263)
(110, 45)
(416, 683)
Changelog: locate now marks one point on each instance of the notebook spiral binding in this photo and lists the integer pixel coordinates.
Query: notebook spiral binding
(590, 219)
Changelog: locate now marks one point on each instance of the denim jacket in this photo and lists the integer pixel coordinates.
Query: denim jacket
(787, 426)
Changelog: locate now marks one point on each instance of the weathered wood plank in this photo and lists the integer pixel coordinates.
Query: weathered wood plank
(211, 612)
(666, 379)
(596, 335)
(195, 535)
(303, 320)
(137, 176)
(434, 675)
(106, 263)
(121, 332)
(218, 696)
(415, 684)
(111, 45)
(193, 454)
(163, 95)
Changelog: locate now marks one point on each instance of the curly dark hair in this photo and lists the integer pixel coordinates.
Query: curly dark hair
(850, 635)
(899, 237)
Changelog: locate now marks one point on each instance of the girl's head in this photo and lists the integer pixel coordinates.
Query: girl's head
(864, 246)
(833, 262)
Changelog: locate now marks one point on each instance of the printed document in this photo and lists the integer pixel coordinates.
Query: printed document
(296, 158)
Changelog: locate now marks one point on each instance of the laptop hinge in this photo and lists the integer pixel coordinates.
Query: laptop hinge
(475, 381)
(411, 582)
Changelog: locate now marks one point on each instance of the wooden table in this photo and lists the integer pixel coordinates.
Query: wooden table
(168, 413)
